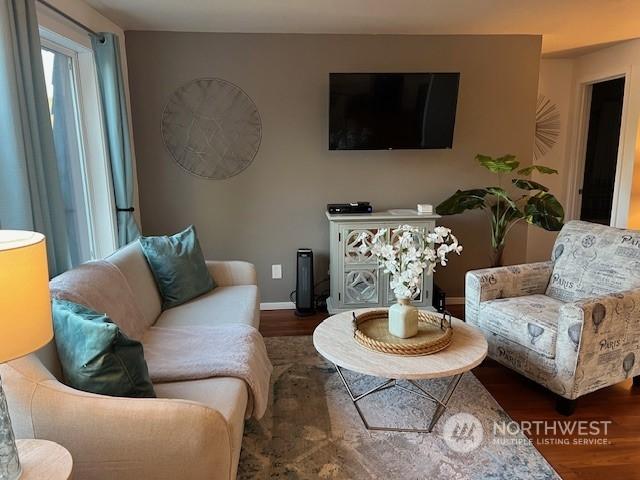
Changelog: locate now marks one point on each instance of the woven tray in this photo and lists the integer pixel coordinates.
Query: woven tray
(371, 330)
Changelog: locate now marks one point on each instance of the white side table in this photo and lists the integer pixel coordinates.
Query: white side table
(44, 460)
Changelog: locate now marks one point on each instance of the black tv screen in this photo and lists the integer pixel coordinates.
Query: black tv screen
(382, 111)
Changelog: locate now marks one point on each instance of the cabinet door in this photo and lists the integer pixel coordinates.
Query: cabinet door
(353, 238)
(361, 285)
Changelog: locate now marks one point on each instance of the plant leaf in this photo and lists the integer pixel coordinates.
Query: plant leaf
(502, 195)
(540, 168)
(544, 210)
(525, 184)
(507, 213)
(462, 200)
(504, 164)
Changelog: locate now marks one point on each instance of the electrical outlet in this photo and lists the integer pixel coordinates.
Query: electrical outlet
(276, 272)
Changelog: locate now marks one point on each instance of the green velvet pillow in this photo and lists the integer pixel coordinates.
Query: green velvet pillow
(178, 266)
(96, 356)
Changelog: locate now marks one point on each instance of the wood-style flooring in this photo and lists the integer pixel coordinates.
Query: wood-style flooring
(523, 400)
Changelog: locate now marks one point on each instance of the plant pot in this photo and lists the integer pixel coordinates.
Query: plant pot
(403, 319)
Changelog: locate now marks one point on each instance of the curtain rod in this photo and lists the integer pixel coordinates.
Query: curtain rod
(68, 17)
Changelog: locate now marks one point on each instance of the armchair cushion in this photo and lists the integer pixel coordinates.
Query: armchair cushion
(504, 282)
(530, 321)
(592, 260)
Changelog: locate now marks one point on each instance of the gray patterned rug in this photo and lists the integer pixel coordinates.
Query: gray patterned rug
(312, 429)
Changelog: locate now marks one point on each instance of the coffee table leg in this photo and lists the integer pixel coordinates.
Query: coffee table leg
(444, 401)
(354, 399)
(441, 403)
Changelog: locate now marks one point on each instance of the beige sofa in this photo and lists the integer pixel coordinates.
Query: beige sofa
(193, 430)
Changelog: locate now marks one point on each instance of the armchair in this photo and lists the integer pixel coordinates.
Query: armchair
(571, 324)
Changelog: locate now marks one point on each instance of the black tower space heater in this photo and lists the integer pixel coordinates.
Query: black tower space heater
(305, 296)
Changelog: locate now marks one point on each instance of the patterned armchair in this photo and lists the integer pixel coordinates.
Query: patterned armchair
(571, 324)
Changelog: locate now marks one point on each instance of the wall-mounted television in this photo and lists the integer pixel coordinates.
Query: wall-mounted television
(384, 111)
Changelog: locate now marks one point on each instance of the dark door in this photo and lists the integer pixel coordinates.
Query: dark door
(601, 156)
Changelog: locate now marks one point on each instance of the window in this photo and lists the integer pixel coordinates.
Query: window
(60, 77)
(78, 135)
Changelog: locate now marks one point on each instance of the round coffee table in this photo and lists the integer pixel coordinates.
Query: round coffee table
(334, 340)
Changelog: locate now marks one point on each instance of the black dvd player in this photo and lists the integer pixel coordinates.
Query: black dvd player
(344, 208)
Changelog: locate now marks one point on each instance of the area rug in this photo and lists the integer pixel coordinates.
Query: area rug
(312, 430)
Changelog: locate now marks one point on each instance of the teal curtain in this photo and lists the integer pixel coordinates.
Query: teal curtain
(30, 193)
(116, 119)
(65, 139)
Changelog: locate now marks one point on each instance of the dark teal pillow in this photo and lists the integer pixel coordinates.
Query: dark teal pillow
(96, 356)
(178, 266)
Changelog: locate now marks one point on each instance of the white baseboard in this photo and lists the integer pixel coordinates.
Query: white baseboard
(292, 306)
(455, 300)
(277, 306)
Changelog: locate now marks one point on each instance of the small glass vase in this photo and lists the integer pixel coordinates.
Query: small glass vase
(403, 319)
(9, 463)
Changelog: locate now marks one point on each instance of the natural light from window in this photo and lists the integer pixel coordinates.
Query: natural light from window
(60, 78)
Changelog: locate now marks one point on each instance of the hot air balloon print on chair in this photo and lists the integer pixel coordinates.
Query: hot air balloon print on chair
(597, 315)
(534, 332)
(574, 332)
(628, 362)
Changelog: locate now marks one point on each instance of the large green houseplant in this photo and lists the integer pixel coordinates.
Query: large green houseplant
(528, 201)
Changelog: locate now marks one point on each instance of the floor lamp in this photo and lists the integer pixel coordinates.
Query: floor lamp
(25, 319)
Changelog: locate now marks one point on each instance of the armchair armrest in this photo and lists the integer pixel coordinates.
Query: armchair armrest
(124, 438)
(598, 341)
(230, 273)
(504, 282)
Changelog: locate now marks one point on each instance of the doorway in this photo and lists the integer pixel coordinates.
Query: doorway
(601, 153)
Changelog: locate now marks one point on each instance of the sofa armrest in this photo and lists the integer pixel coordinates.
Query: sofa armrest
(124, 438)
(598, 341)
(230, 273)
(504, 282)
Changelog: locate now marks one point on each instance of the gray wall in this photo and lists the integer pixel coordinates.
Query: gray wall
(277, 205)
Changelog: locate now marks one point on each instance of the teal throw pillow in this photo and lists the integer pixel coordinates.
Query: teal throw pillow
(178, 266)
(96, 356)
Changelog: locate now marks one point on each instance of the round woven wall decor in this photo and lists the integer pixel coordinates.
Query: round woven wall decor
(212, 128)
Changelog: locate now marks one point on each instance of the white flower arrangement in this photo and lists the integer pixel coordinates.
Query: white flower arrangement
(408, 253)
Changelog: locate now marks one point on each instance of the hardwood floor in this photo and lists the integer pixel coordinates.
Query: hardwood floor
(524, 400)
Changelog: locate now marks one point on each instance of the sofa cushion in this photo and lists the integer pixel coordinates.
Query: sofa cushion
(178, 266)
(131, 262)
(592, 260)
(236, 304)
(227, 395)
(531, 321)
(96, 356)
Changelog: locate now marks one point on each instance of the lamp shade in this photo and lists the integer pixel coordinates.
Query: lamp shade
(25, 307)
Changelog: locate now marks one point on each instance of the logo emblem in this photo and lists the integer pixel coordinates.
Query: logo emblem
(463, 432)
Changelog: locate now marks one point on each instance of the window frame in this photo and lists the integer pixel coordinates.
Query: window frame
(98, 185)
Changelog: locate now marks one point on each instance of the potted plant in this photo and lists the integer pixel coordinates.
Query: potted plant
(406, 253)
(529, 202)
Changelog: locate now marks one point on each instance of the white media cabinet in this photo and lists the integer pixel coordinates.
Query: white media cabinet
(356, 280)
